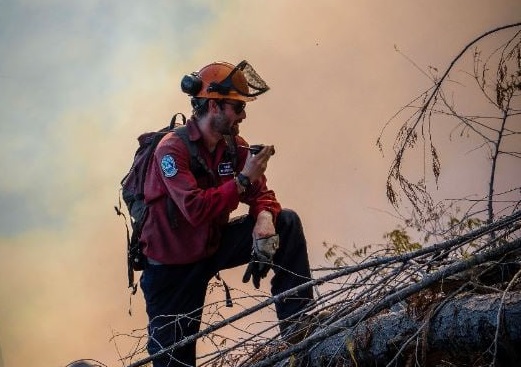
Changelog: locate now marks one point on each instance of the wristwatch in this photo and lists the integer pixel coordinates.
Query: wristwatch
(243, 180)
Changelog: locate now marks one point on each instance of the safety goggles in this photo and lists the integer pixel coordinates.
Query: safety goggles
(237, 106)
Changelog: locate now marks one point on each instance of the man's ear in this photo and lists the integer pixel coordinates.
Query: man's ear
(213, 106)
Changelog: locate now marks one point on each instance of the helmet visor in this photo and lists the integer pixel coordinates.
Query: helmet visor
(255, 85)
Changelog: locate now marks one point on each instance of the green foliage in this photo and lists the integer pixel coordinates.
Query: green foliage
(362, 252)
(335, 254)
(459, 226)
(400, 241)
(449, 222)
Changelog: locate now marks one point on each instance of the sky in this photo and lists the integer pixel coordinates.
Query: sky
(81, 80)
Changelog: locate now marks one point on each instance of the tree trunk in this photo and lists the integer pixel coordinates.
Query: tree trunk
(463, 332)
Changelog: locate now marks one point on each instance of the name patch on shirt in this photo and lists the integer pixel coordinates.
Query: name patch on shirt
(168, 166)
(225, 169)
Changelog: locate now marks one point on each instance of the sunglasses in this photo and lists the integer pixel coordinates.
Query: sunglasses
(237, 106)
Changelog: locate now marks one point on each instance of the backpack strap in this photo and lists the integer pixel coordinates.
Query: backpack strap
(197, 164)
(231, 150)
(173, 122)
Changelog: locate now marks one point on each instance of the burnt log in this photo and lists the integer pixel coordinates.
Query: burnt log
(471, 329)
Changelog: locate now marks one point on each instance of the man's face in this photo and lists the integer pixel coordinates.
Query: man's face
(230, 115)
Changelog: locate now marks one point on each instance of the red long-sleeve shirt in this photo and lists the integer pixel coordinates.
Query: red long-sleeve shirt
(201, 208)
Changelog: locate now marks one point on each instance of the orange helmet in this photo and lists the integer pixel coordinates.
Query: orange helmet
(224, 80)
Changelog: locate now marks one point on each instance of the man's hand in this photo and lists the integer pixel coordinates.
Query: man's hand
(256, 164)
(264, 226)
(262, 259)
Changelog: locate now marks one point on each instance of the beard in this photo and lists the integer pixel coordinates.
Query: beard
(223, 125)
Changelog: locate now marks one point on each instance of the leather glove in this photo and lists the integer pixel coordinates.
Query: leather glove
(261, 259)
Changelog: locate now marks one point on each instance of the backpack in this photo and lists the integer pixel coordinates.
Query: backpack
(133, 183)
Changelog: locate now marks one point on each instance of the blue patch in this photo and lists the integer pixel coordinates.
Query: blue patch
(168, 166)
(225, 169)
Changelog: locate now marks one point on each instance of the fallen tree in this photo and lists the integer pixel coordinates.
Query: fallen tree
(465, 330)
(466, 313)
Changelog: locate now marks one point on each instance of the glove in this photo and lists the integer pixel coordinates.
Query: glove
(261, 259)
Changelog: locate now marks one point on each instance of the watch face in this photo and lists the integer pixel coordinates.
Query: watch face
(243, 180)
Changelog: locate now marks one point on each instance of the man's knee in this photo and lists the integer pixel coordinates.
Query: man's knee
(289, 228)
(288, 218)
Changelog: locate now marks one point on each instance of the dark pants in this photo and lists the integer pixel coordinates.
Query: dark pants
(175, 294)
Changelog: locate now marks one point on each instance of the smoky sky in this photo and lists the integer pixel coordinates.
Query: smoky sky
(80, 81)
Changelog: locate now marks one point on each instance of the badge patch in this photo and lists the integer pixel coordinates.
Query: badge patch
(225, 169)
(168, 166)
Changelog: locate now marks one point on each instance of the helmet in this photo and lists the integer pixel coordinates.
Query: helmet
(224, 80)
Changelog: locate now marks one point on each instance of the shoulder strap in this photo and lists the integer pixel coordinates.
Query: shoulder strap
(231, 149)
(173, 122)
(197, 164)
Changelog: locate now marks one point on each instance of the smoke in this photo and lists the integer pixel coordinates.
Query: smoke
(81, 81)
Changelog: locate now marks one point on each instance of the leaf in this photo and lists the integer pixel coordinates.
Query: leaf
(436, 166)
(350, 346)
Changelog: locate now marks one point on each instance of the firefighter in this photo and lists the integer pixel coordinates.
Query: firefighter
(188, 236)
